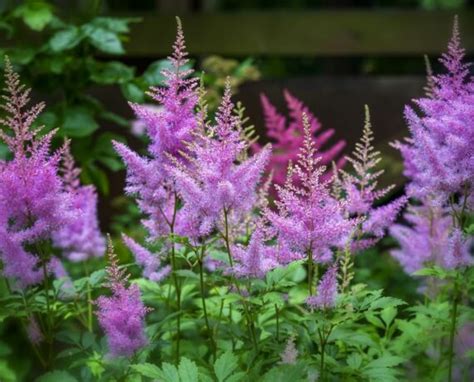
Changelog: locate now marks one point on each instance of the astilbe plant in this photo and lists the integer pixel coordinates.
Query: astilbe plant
(438, 158)
(121, 315)
(309, 221)
(33, 201)
(168, 129)
(287, 136)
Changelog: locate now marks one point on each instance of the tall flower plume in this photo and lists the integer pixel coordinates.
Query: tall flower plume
(288, 136)
(80, 238)
(168, 128)
(439, 155)
(122, 315)
(218, 180)
(33, 202)
(309, 219)
(360, 192)
(327, 290)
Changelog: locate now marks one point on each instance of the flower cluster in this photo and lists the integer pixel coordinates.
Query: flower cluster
(150, 262)
(168, 128)
(439, 155)
(218, 182)
(33, 202)
(288, 136)
(122, 315)
(327, 291)
(439, 161)
(309, 220)
(79, 238)
(360, 193)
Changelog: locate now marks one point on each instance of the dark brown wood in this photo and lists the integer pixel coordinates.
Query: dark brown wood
(309, 33)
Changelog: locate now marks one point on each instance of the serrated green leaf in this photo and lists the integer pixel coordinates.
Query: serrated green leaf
(112, 72)
(148, 370)
(188, 370)
(384, 361)
(354, 361)
(225, 365)
(170, 373)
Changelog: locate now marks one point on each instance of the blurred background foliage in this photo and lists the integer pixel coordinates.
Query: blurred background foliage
(73, 54)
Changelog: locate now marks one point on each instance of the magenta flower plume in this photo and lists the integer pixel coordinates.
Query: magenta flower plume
(168, 128)
(430, 239)
(80, 238)
(218, 181)
(439, 155)
(309, 219)
(122, 315)
(288, 136)
(256, 259)
(327, 291)
(150, 262)
(33, 203)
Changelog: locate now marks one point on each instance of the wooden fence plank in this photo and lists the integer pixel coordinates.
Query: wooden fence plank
(309, 33)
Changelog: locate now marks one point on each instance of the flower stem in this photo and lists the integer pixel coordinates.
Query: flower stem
(250, 322)
(177, 285)
(310, 272)
(452, 332)
(203, 299)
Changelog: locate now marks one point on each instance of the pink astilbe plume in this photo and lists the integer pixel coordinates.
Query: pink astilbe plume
(256, 259)
(218, 181)
(122, 315)
(326, 292)
(151, 263)
(80, 238)
(360, 191)
(288, 135)
(168, 128)
(33, 203)
(439, 155)
(308, 219)
(429, 239)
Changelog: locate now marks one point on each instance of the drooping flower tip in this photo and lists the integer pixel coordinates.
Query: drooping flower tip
(150, 262)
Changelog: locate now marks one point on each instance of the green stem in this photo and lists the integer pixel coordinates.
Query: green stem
(310, 272)
(250, 323)
(89, 299)
(452, 332)
(277, 314)
(203, 299)
(176, 282)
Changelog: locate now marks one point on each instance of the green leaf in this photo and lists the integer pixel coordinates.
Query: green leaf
(225, 365)
(112, 72)
(78, 122)
(384, 361)
(374, 320)
(113, 24)
(35, 13)
(385, 302)
(388, 315)
(148, 370)
(65, 39)
(170, 373)
(354, 361)
(133, 92)
(434, 271)
(103, 39)
(56, 376)
(188, 371)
